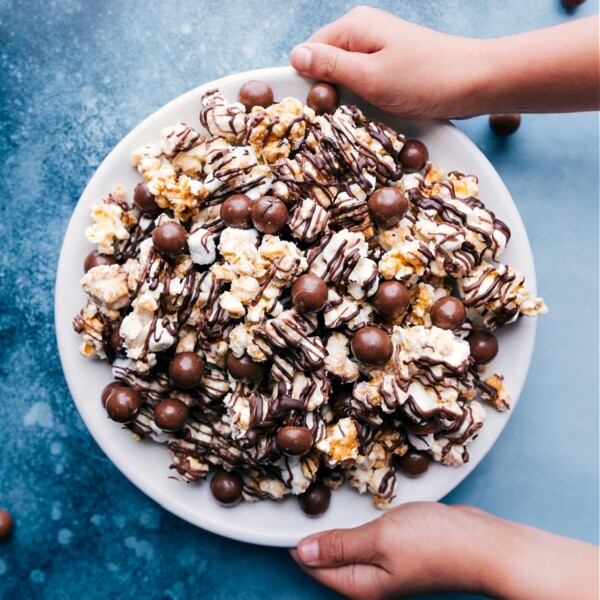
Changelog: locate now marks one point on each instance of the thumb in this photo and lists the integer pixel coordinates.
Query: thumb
(329, 63)
(338, 547)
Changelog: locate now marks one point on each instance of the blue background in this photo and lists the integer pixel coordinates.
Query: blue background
(76, 76)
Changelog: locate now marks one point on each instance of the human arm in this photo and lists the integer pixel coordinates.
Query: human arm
(412, 71)
(425, 547)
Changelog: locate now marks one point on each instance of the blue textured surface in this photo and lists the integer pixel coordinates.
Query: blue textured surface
(76, 76)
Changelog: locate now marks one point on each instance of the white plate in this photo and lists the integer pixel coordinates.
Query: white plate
(146, 463)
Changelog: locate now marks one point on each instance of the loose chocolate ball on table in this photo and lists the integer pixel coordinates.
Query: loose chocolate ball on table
(414, 463)
(391, 299)
(255, 93)
(309, 293)
(186, 370)
(387, 206)
(236, 211)
(269, 214)
(95, 259)
(294, 441)
(6, 524)
(483, 345)
(144, 200)
(315, 500)
(505, 124)
(448, 313)
(572, 3)
(245, 369)
(171, 414)
(227, 487)
(414, 155)
(372, 346)
(170, 238)
(322, 98)
(108, 390)
(123, 404)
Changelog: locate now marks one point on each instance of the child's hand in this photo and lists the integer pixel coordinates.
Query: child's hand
(400, 67)
(410, 71)
(424, 547)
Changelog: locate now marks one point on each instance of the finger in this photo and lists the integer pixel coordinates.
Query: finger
(352, 581)
(350, 33)
(328, 63)
(341, 547)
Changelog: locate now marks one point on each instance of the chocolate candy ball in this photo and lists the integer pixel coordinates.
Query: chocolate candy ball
(245, 369)
(171, 414)
(117, 343)
(309, 293)
(269, 214)
(315, 500)
(387, 206)
(391, 299)
(236, 211)
(169, 238)
(144, 200)
(186, 370)
(572, 3)
(108, 390)
(483, 345)
(95, 259)
(414, 155)
(322, 98)
(372, 346)
(123, 404)
(6, 524)
(414, 463)
(255, 93)
(341, 401)
(505, 124)
(227, 487)
(448, 313)
(422, 428)
(294, 441)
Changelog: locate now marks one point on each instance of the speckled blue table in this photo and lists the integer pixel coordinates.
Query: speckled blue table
(76, 76)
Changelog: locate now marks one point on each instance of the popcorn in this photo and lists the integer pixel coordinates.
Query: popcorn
(228, 299)
(309, 221)
(341, 443)
(241, 341)
(406, 261)
(176, 139)
(451, 449)
(111, 223)
(220, 118)
(495, 393)
(346, 312)
(201, 244)
(278, 129)
(236, 168)
(107, 287)
(338, 361)
(374, 472)
(89, 324)
(498, 295)
(337, 255)
(363, 280)
(239, 248)
(299, 473)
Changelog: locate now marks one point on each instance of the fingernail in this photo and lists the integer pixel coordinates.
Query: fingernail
(308, 550)
(301, 58)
